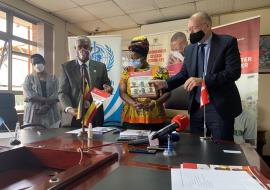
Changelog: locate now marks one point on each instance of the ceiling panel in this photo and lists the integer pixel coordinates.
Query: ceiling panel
(108, 15)
(52, 5)
(249, 4)
(170, 3)
(178, 12)
(147, 17)
(132, 6)
(75, 15)
(87, 2)
(94, 26)
(104, 9)
(215, 6)
(120, 22)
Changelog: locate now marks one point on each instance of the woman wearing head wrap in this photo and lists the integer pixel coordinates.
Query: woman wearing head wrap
(142, 112)
(40, 90)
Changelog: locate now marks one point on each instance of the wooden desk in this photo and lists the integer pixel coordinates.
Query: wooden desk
(139, 171)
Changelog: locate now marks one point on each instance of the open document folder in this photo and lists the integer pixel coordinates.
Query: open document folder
(201, 179)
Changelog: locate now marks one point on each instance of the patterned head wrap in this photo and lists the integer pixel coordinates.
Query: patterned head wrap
(139, 45)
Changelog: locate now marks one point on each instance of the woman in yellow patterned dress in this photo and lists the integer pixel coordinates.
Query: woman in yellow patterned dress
(142, 110)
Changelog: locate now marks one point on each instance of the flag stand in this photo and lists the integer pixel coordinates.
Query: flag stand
(82, 133)
(204, 126)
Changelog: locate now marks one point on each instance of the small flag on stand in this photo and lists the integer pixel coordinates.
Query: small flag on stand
(204, 95)
(90, 113)
(86, 114)
(98, 97)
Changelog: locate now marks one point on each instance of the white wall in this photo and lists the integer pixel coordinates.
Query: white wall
(61, 29)
(126, 35)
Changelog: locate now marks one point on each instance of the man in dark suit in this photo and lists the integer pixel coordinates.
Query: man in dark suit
(215, 58)
(70, 83)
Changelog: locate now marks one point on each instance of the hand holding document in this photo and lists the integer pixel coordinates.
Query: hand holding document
(99, 96)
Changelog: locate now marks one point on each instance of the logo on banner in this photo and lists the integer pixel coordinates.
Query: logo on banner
(103, 54)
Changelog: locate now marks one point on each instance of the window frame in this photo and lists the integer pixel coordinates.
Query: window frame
(9, 37)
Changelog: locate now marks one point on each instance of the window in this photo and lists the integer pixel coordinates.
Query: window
(3, 65)
(3, 21)
(18, 40)
(23, 28)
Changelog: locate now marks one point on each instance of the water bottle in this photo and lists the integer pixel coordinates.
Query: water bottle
(17, 130)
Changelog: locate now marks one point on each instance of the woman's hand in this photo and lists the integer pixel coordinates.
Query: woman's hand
(138, 106)
(149, 106)
(43, 109)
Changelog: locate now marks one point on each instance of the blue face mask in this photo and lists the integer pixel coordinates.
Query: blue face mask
(135, 63)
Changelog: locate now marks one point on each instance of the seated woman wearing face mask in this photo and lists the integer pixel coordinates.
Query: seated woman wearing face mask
(40, 90)
(140, 111)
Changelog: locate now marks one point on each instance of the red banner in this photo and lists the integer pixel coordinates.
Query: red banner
(247, 33)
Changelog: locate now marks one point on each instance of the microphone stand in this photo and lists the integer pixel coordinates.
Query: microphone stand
(15, 140)
(169, 150)
(82, 133)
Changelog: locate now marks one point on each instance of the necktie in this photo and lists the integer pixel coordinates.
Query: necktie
(84, 75)
(200, 69)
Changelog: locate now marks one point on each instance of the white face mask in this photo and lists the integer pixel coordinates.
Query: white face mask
(136, 63)
(39, 68)
(178, 55)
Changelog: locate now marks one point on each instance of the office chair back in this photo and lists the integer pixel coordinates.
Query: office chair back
(178, 100)
(7, 110)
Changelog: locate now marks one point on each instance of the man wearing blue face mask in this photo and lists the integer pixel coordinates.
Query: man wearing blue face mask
(215, 58)
(140, 110)
(70, 87)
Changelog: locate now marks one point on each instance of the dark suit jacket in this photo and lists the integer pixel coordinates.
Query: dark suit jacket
(70, 84)
(223, 69)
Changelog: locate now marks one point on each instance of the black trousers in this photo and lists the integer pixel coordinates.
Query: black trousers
(217, 127)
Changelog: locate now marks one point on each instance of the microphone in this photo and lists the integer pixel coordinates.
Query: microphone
(15, 141)
(182, 121)
(178, 123)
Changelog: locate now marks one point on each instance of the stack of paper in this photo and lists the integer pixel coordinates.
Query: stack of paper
(134, 134)
(96, 130)
(101, 130)
(194, 179)
(251, 170)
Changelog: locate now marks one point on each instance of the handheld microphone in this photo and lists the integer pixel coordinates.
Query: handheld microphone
(178, 123)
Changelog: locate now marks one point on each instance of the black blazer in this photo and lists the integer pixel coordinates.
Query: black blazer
(223, 69)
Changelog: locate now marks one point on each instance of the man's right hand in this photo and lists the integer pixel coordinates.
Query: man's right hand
(73, 111)
(173, 60)
(158, 84)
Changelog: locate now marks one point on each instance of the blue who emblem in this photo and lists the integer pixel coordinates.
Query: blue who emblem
(103, 54)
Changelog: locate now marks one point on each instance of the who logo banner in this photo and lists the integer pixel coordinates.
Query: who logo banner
(106, 49)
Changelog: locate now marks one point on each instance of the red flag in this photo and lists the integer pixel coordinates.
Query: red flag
(204, 95)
